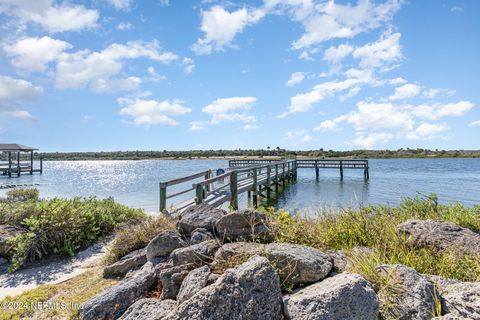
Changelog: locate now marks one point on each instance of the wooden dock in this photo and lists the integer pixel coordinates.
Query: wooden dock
(259, 178)
(13, 164)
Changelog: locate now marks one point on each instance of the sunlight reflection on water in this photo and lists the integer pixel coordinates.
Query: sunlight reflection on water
(135, 183)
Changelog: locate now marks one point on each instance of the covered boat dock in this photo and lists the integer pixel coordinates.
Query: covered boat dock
(16, 159)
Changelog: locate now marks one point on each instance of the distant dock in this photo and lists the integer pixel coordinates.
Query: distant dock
(259, 178)
(14, 166)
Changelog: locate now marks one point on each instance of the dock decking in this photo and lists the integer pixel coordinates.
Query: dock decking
(259, 178)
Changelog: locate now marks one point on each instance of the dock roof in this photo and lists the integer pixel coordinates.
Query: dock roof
(14, 147)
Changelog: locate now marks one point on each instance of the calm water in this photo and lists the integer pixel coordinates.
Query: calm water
(135, 183)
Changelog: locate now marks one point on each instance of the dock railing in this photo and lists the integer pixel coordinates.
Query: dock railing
(255, 179)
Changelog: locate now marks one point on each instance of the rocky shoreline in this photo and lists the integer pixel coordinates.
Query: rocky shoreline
(225, 266)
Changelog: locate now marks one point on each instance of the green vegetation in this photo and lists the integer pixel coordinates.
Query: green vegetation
(59, 226)
(376, 227)
(260, 153)
(136, 236)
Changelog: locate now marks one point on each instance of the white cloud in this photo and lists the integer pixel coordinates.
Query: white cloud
(221, 26)
(86, 68)
(188, 65)
(250, 126)
(397, 81)
(120, 4)
(154, 76)
(427, 131)
(124, 26)
(336, 54)
(431, 93)
(165, 3)
(303, 102)
(14, 90)
(197, 125)
(382, 54)
(152, 112)
(330, 20)
(112, 85)
(474, 123)
(33, 54)
(231, 110)
(50, 16)
(299, 136)
(296, 78)
(406, 91)
(368, 142)
(439, 110)
(327, 125)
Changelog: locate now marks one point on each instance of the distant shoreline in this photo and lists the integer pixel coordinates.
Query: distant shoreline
(257, 154)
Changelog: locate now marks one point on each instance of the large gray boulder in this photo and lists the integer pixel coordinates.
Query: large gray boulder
(249, 291)
(244, 225)
(149, 309)
(408, 295)
(340, 260)
(441, 235)
(345, 296)
(201, 216)
(129, 262)
(112, 303)
(163, 244)
(198, 254)
(171, 279)
(8, 231)
(195, 281)
(295, 264)
(459, 299)
(199, 235)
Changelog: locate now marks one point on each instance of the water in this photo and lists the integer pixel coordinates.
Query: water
(135, 183)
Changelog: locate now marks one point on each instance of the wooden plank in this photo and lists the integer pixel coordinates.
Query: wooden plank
(184, 179)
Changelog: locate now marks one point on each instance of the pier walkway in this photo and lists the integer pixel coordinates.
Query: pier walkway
(259, 178)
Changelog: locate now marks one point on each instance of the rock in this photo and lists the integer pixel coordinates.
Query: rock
(340, 260)
(4, 264)
(249, 291)
(198, 254)
(409, 294)
(244, 225)
(200, 235)
(163, 244)
(459, 299)
(195, 281)
(344, 296)
(201, 216)
(8, 231)
(441, 235)
(295, 264)
(298, 264)
(112, 303)
(129, 262)
(171, 279)
(149, 309)
(212, 278)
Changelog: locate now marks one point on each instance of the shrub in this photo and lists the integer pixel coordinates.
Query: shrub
(376, 227)
(136, 236)
(22, 195)
(62, 226)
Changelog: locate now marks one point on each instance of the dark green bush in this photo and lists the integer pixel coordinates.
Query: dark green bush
(22, 194)
(62, 226)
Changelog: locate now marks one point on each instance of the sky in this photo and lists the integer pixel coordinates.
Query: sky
(107, 75)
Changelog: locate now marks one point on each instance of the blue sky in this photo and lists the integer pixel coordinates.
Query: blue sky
(298, 74)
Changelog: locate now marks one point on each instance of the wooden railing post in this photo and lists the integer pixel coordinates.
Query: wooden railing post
(41, 164)
(18, 164)
(199, 194)
(269, 181)
(254, 188)
(317, 173)
(276, 178)
(283, 174)
(10, 164)
(234, 190)
(208, 175)
(341, 170)
(163, 196)
(31, 162)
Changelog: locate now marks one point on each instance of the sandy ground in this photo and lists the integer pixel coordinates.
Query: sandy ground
(53, 272)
